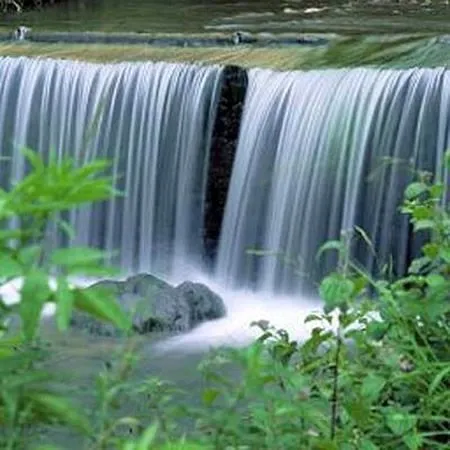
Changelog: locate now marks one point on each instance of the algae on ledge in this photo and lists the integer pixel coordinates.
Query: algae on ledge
(400, 51)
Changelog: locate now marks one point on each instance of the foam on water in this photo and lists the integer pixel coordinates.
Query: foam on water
(245, 306)
(10, 292)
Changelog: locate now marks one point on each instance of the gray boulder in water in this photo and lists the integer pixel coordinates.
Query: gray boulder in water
(203, 304)
(156, 306)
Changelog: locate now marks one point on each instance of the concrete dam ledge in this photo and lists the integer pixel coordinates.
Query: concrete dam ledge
(24, 33)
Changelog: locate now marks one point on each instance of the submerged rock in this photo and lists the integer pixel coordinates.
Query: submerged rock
(21, 33)
(155, 306)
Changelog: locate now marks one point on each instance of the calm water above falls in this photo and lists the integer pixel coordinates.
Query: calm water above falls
(324, 16)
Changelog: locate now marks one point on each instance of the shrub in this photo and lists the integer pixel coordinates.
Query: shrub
(375, 373)
(35, 204)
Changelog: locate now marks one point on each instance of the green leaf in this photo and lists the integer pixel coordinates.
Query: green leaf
(266, 335)
(128, 445)
(35, 293)
(263, 325)
(101, 304)
(93, 168)
(9, 406)
(34, 158)
(325, 444)
(28, 256)
(436, 280)
(65, 301)
(365, 238)
(447, 159)
(5, 210)
(400, 422)
(147, 438)
(436, 190)
(360, 284)
(438, 380)
(444, 253)
(66, 228)
(336, 291)
(94, 270)
(418, 264)
(359, 410)
(9, 267)
(51, 406)
(421, 212)
(425, 224)
(415, 189)
(6, 235)
(13, 361)
(193, 446)
(413, 441)
(365, 444)
(209, 396)
(8, 346)
(431, 250)
(377, 330)
(77, 256)
(91, 191)
(372, 386)
(48, 447)
(346, 446)
(313, 318)
(26, 380)
(330, 245)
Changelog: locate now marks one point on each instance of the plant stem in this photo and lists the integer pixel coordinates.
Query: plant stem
(335, 399)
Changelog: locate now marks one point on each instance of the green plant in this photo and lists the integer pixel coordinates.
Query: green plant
(115, 389)
(375, 373)
(35, 204)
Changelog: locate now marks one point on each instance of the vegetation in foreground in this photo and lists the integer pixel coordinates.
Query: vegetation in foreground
(375, 373)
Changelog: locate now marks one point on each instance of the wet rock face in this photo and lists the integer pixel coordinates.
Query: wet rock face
(156, 306)
(223, 149)
(204, 305)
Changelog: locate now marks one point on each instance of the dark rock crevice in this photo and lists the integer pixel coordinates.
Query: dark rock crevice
(223, 148)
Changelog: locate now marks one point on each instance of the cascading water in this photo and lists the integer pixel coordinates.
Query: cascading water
(309, 143)
(153, 120)
(304, 169)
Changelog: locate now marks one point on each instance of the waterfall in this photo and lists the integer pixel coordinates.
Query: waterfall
(318, 152)
(309, 164)
(153, 120)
